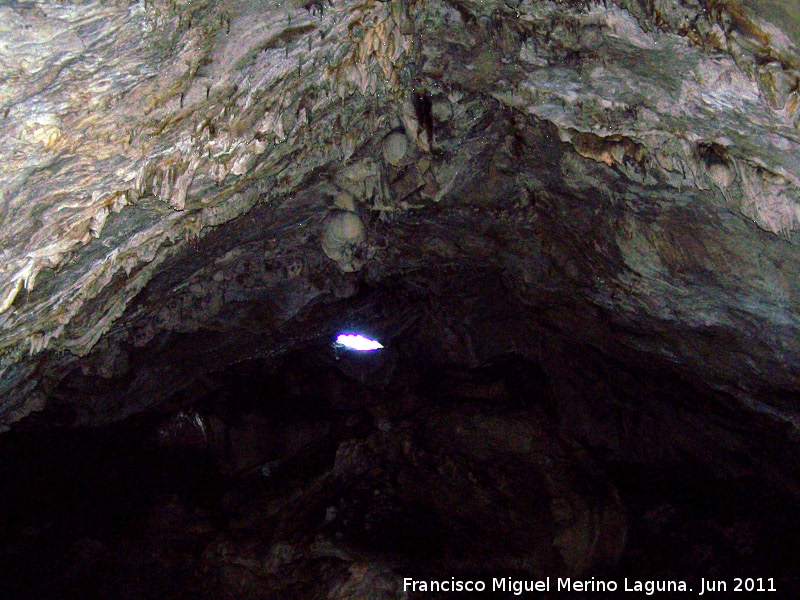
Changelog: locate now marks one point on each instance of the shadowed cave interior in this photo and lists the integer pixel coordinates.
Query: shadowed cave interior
(476, 444)
(572, 224)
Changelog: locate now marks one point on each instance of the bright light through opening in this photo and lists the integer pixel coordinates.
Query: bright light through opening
(358, 342)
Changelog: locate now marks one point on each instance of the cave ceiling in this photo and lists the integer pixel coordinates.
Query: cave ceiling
(185, 185)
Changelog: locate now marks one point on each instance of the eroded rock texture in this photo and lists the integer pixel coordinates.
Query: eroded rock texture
(599, 199)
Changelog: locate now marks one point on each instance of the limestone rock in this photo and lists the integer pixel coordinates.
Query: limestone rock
(394, 148)
(343, 240)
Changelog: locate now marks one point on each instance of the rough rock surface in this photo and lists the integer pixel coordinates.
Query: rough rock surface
(608, 192)
(163, 160)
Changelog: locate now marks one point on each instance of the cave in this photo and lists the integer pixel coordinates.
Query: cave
(567, 227)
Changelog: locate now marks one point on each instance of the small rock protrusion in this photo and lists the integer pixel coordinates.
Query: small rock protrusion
(395, 148)
(344, 201)
(721, 174)
(717, 163)
(343, 240)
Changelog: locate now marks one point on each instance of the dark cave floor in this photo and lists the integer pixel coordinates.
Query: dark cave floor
(287, 493)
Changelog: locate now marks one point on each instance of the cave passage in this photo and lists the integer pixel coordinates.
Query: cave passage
(566, 230)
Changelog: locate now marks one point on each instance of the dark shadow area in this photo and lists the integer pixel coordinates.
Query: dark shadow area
(295, 471)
